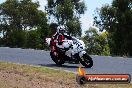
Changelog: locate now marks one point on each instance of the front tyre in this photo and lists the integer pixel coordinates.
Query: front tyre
(86, 61)
(58, 59)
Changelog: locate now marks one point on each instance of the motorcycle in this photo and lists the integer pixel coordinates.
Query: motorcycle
(75, 53)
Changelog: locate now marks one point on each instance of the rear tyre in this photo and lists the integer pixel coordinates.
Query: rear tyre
(58, 59)
(86, 61)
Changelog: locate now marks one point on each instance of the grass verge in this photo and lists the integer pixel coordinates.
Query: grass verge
(24, 76)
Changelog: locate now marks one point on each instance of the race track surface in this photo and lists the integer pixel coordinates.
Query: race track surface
(102, 64)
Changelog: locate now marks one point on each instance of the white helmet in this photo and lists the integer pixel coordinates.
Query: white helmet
(60, 30)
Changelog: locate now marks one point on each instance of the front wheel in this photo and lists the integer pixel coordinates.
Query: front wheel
(58, 59)
(86, 61)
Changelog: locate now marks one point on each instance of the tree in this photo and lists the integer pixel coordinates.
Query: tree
(96, 43)
(67, 13)
(33, 39)
(20, 16)
(116, 19)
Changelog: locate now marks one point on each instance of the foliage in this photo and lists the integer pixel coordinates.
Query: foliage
(96, 43)
(16, 38)
(67, 13)
(116, 19)
(33, 39)
(17, 17)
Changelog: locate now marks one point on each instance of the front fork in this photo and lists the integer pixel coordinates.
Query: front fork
(82, 53)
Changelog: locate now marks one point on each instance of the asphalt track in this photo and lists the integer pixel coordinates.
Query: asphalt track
(102, 64)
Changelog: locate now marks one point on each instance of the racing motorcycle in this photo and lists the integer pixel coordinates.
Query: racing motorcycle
(75, 53)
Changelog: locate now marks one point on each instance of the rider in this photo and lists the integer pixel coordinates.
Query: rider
(53, 27)
(58, 37)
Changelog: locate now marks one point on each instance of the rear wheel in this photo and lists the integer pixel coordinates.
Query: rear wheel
(58, 59)
(86, 61)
